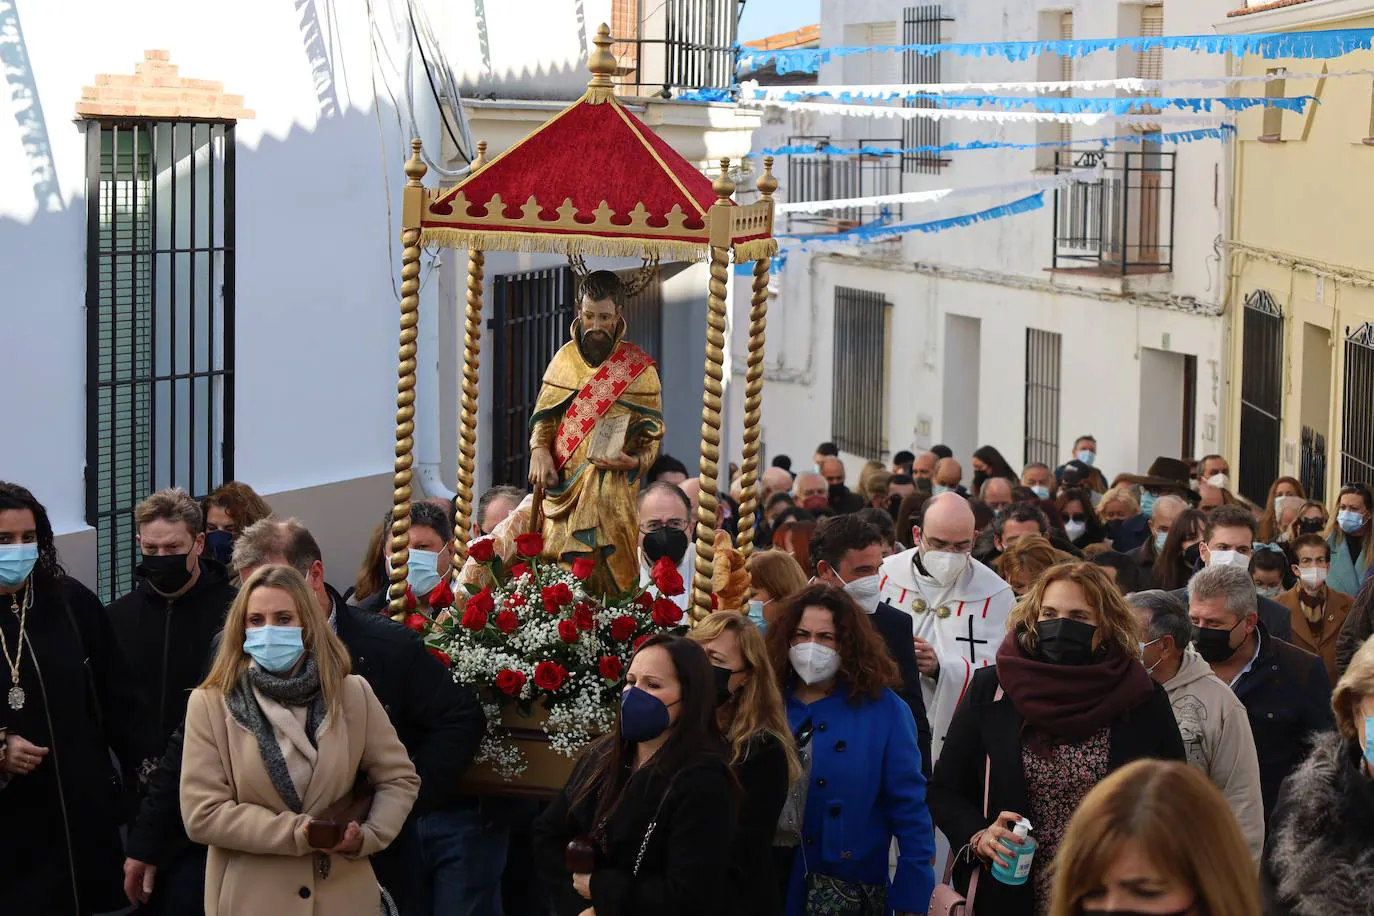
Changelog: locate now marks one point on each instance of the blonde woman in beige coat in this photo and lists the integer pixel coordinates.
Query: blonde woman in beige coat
(278, 733)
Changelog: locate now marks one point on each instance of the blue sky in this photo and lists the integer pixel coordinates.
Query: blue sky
(769, 17)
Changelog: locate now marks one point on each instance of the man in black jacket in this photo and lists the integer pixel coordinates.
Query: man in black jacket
(847, 552)
(1228, 540)
(447, 849)
(165, 625)
(1285, 690)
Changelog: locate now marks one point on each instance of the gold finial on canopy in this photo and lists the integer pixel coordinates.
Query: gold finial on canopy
(724, 186)
(602, 64)
(767, 183)
(415, 166)
(481, 159)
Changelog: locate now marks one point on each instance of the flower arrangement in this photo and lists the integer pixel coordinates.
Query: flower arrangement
(533, 636)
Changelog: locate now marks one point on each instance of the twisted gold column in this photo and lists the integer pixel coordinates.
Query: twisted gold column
(753, 384)
(713, 388)
(467, 416)
(399, 547)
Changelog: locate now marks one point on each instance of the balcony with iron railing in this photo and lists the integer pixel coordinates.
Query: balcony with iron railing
(663, 45)
(839, 175)
(1120, 224)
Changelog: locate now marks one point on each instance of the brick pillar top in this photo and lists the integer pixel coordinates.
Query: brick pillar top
(155, 91)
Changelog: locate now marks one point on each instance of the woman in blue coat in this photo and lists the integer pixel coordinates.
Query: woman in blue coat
(864, 786)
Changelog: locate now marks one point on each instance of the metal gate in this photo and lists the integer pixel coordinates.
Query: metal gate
(1357, 432)
(1261, 395)
(858, 390)
(531, 316)
(1043, 356)
(1312, 473)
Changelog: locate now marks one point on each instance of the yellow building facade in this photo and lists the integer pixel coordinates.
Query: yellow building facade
(1301, 297)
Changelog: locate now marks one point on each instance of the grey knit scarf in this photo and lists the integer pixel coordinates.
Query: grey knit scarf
(299, 689)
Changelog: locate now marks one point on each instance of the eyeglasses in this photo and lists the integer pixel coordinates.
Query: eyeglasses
(676, 524)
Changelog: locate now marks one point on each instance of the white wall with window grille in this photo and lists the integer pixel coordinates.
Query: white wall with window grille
(922, 25)
(160, 312)
(1043, 349)
(859, 377)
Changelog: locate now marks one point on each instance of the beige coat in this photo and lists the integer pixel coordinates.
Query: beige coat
(259, 862)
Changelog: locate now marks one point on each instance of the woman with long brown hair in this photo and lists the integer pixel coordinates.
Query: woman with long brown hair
(1269, 530)
(279, 733)
(762, 754)
(1067, 703)
(1127, 849)
(1180, 556)
(859, 741)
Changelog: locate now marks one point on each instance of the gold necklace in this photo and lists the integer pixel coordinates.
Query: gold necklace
(16, 695)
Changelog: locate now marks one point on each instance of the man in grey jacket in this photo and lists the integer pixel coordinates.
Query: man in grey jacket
(1213, 723)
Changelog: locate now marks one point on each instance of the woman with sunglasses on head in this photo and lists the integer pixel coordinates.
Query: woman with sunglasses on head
(645, 823)
(277, 739)
(1067, 703)
(1080, 521)
(1127, 850)
(864, 787)
(762, 754)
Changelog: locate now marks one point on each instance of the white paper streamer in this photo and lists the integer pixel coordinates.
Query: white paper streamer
(988, 117)
(1085, 176)
(1125, 84)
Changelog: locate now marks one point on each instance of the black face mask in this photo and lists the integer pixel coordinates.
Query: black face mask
(167, 574)
(1192, 557)
(894, 505)
(666, 542)
(1214, 645)
(1065, 642)
(979, 478)
(838, 491)
(1309, 525)
(723, 691)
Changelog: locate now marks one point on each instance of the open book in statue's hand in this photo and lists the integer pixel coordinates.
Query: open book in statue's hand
(608, 439)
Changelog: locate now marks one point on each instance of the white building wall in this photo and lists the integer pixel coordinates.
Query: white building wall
(998, 272)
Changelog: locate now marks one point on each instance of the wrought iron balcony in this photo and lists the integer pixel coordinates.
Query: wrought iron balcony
(839, 176)
(1122, 223)
(662, 45)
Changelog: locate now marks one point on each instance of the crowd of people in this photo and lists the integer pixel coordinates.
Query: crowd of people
(1047, 691)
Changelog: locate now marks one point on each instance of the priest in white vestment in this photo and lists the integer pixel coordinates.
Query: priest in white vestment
(958, 606)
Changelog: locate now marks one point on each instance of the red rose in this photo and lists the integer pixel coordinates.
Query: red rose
(474, 618)
(567, 631)
(441, 656)
(549, 675)
(507, 622)
(411, 603)
(715, 601)
(516, 600)
(666, 614)
(623, 627)
(518, 570)
(584, 618)
(641, 641)
(530, 544)
(582, 568)
(417, 622)
(645, 601)
(441, 596)
(563, 593)
(553, 598)
(667, 578)
(483, 550)
(509, 681)
(482, 601)
(611, 667)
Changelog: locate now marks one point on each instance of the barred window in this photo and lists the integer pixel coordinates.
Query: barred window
(1357, 430)
(160, 323)
(1042, 396)
(922, 25)
(859, 377)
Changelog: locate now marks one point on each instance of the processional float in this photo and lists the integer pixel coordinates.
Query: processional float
(593, 180)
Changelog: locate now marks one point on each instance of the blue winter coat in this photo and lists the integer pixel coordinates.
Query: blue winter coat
(865, 788)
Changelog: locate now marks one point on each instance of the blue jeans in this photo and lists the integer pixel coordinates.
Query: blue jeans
(458, 861)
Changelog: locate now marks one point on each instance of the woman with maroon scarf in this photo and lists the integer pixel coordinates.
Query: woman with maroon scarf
(1067, 703)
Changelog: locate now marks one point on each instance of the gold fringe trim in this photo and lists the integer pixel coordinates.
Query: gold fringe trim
(594, 246)
(753, 251)
(598, 95)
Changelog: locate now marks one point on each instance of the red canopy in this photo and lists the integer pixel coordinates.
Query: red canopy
(595, 180)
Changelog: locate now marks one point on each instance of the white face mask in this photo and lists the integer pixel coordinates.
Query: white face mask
(944, 567)
(1228, 558)
(865, 592)
(1220, 481)
(813, 662)
(1075, 530)
(1314, 577)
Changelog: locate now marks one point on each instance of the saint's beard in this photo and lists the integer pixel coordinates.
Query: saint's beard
(596, 346)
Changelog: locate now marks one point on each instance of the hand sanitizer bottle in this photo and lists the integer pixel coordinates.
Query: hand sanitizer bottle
(1019, 869)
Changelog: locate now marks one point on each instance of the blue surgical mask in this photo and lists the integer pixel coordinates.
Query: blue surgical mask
(756, 615)
(1087, 456)
(643, 716)
(1267, 591)
(275, 649)
(1160, 538)
(1349, 520)
(423, 574)
(1147, 503)
(1041, 492)
(938, 489)
(16, 563)
(1369, 740)
(219, 545)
